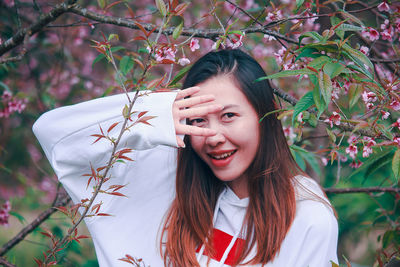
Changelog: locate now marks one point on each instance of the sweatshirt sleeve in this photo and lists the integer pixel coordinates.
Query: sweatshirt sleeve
(65, 136)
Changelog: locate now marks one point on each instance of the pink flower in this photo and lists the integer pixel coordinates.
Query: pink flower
(352, 139)
(183, 61)
(396, 124)
(334, 119)
(6, 95)
(387, 34)
(364, 50)
(355, 164)
(274, 16)
(367, 150)
(395, 105)
(397, 140)
(165, 52)
(279, 56)
(370, 33)
(236, 41)
(385, 114)
(352, 151)
(383, 7)
(324, 161)
(289, 132)
(4, 213)
(270, 38)
(194, 44)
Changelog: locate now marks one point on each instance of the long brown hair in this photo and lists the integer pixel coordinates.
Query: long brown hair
(272, 202)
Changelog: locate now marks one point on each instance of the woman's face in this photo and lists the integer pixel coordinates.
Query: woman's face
(230, 152)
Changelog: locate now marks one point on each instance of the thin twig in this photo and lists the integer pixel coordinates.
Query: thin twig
(37, 26)
(5, 263)
(375, 189)
(61, 200)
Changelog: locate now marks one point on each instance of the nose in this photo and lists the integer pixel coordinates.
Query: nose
(217, 139)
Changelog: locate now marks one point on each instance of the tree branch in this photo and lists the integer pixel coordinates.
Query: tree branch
(375, 189)
(3, 262)
(62, 199)
(43, 20)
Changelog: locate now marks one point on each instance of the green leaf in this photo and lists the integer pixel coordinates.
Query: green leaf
(387, 238)
(299, 3)
(126, 64)
(358, 55)
(318, 62)
(373, 158)
(312, 120)
(5, 86)
(180, 75)
(309, 157)
(396, 164)
(177, 30)
(362, 70)
(351, 17)
(303, 104)
(378, 164)
(286, 73)
(161, 7)
(332, 136)
(307, 52)
(272, 112)
(316, 36)
(355, 91)
(101, 56)
(348, 27)
(333, 69)
(318, 100)
(325, 86)
(20, 218)
(102, 3)
(125, 111)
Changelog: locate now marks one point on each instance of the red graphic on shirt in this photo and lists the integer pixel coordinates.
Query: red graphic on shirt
(220, 243)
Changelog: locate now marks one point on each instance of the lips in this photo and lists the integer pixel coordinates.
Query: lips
(221, 158)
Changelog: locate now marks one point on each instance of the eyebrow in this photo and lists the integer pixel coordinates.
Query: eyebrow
(230, 106)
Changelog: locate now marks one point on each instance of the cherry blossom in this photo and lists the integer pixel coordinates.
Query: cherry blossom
(397, 140)
(165, 52)
(364, 50)
(383, 7)
(352, 139)
(236, 41)
(289, 132)
(352, 151)
(395, 105)
(4, 213)
(368, 144)
(370, 33)
(385, 114)
(194, 44)
(324, 161)
(334, 119)
(183, 61)
(396, 124)
(274, 16)
(270, 38)
(356, 164)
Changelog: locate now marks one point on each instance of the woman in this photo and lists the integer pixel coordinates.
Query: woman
(235, 194)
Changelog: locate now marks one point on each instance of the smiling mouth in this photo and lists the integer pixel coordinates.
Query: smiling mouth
(222, 156)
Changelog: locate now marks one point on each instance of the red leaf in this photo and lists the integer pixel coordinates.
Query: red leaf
(45, 234)
(150, 32)
(117, 194)
(141, 28)
(167, 61)
(112, 126)
(138, 38)
(103, 214)
(125, 260)
(82, 236)
(139, 63)
(113, 4)
(311, 68)
(99, 137)
(181, 8)
(39, 262)
(142, 113)
(125, 157)
(63, 210)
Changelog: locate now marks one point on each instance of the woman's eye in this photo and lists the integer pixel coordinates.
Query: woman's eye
(196, 121)
(229, 115)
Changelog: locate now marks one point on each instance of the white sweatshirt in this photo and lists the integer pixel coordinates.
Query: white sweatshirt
(134, 227)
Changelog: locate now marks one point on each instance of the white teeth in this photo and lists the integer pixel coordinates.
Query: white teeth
(223, 156)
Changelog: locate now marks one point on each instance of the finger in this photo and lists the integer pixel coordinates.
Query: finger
(194, 130)
(187, 92)
(199, 111)
(180, 142)
(192, 101)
